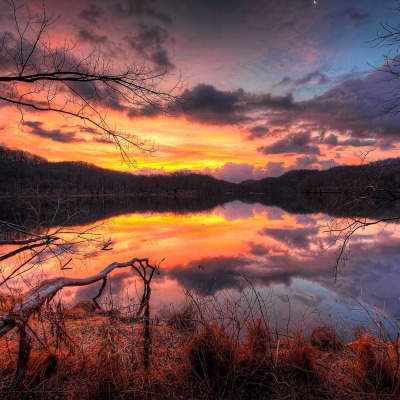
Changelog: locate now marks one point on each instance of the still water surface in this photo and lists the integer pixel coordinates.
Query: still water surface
(283, 255)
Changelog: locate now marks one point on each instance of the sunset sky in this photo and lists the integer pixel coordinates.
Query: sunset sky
(274, 84)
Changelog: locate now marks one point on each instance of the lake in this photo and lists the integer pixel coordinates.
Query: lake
(214, 249)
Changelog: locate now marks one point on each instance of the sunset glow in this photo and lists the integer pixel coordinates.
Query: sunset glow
(263, 98)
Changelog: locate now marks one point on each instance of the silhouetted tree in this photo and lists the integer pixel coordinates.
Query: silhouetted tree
(37, 73)
(388, 38)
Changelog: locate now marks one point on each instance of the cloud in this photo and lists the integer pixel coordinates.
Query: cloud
(347, 114)
(151, 41)
(313, 78)
(211, 106)
(36, 128)
(88, 36)
(257, 132)
(299, 238)
(140, 8)
(233, 172)
(305, 162)
(91, 14)
(293, 143)
(357, 15)
(275, 168)
(239, 172)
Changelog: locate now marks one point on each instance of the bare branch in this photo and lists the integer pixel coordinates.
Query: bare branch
(34, 299)
(37, 74)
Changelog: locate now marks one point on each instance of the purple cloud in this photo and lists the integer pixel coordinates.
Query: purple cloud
(56, 135)
(293, 143)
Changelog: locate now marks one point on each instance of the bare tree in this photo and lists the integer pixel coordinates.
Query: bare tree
(388, 39)
(37, 73)
(18, 316)
(374, 194)
(370, 200)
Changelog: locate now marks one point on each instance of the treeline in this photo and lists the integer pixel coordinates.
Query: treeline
(23, 173)
(344, 180)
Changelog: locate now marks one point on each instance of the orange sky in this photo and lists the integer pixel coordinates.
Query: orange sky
(262, 98)
(181, 144)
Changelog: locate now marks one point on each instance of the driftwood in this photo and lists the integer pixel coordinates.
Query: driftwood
(34, 298)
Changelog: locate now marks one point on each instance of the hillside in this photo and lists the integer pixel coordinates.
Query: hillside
(23, 173)
(342, 179)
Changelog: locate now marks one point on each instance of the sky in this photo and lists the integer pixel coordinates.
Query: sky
(269, 85)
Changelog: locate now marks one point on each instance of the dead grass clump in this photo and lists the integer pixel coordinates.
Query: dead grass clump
(374, 369)
(212, 359)
(258, 340)
(256, 365)
(42, 368)
(325, 339)
(299, 358)
(184, 321)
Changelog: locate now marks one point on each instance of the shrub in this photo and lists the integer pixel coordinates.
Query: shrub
(374, 368)
(325, 339)
(300, 357)
(184, 321)
(258, 340)
(212, 358)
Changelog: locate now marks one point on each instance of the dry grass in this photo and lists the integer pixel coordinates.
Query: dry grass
(204, 352)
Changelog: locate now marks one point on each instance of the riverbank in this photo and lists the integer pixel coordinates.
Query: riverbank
(86, 354)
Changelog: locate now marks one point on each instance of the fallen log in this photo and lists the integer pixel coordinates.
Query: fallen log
(34, 298)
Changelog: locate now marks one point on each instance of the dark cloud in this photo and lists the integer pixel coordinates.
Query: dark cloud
(88, 36)
(356, 142)
(151, 42)
(305, 162)
(314, 78)
(141, 8)
(357, 15)
(91, 14)
(299, 238)
(348, 114)
(212, 106)
(285, 81)
(257, 132)
(331, 140)
(293, 143)
(214, 274)
(351, 108)
(56, 135)
(257, 249)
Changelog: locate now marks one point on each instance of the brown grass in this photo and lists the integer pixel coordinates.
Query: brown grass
(84, 354)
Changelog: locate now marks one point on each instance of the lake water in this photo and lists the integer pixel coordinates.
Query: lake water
(284, 255)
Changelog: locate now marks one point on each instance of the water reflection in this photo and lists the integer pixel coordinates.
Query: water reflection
(278, 252)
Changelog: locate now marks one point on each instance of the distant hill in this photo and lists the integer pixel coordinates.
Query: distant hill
(343, 179)
(23, 173)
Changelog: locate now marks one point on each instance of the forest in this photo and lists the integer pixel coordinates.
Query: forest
(23, 173)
